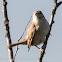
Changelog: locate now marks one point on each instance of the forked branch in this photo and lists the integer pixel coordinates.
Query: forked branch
(56, 5)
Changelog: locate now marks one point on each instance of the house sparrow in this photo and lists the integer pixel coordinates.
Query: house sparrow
(36, 32)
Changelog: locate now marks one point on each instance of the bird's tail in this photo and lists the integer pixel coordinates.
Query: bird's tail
(24, 42)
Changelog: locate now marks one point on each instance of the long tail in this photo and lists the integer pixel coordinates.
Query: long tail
(24, 42)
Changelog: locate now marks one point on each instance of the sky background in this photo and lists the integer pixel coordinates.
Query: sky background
(19, 12)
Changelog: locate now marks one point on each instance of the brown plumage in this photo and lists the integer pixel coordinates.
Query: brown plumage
(36, 32)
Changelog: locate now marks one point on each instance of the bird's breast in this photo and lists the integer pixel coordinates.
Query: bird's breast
(41, 32)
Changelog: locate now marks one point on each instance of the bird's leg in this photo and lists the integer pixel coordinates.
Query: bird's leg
(39, 48)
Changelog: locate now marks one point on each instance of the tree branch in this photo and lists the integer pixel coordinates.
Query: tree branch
(22, 36)
(56, 5)
(7, 31)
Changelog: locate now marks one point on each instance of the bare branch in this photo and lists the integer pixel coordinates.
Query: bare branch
(22, 36)
(25, 28)
(6, 26)
(56, 5)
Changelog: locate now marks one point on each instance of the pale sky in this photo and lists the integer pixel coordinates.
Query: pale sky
(19, 12)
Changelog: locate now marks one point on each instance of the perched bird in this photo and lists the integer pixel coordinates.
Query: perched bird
(36, 32)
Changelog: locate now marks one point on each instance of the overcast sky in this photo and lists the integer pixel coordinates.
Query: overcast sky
(19, 12)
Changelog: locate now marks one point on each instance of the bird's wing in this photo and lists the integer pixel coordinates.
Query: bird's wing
(30, 34)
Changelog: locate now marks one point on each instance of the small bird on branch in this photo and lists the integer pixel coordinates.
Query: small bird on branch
(36, 32)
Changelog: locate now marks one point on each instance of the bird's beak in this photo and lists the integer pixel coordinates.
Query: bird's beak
(36, 14)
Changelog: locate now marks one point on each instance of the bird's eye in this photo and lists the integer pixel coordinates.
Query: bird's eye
(39, 12)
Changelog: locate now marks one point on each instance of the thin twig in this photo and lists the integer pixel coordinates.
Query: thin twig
(56, 5)
(25, 28)
(7, 31)
(22, 36)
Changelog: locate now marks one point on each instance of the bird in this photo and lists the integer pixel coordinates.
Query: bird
(36, 32)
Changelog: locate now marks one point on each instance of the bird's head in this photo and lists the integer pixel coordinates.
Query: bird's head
(38, 14)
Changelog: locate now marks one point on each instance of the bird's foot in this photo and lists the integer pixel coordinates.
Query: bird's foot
(9, 47)
(40, 48)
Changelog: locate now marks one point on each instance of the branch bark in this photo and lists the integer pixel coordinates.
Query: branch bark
(56, 5)
(7, 31)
